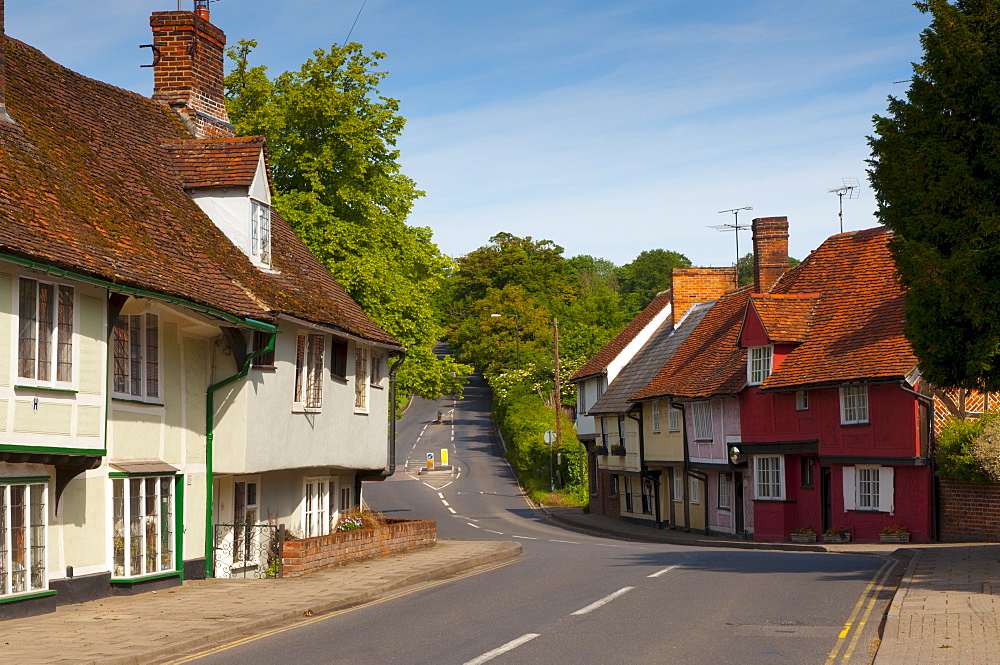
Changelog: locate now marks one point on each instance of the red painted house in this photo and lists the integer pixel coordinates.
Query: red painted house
(831, 417)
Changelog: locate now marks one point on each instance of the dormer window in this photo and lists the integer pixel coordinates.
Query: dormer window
(260, 232)
(758, 364)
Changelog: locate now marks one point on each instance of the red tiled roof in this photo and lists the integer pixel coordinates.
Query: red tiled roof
(217, 162)
(786, 317)
(858, 320)
(86, 185)
(709, 362)
(599, 362)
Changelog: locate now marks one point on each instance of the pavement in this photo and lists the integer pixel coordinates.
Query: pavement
(154, 626)
(945, 611)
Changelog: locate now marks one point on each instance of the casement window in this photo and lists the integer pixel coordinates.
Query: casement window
(853, 405)
(677, 485)
(806, 474)
(656, 416)
(376, 377)
(647, 499)
(702, 412)
(135, 343)
(725, 491)
(345, 499)
(142, 538)
(602, 386)
(769, 477)
(260, 341)
(260, 232)
(45, 332)
(581, 397)
(627, 481)
(759, 364)
(360, 379)
(315, 506)
(614, 484)
(801, 400)
(246, 513)
(338, 359)
(869, 487)
(23, 533)
(309, 371)
(673, 420)
(695, 490)
(621, 430)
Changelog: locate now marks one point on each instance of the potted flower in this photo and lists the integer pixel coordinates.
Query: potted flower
(894, 533)
(837, 534)
(618, 450)
(601, 450)
(804, 534)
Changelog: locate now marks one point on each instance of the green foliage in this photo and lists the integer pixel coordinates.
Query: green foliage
(986, 448)
(649, 274)
(744, 268)
(331, 146)
(934, 168)
(955, 450)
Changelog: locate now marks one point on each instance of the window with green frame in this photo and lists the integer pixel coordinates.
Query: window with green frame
(143, 533)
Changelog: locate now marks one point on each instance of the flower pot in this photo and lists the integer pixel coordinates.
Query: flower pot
(601, 450)
(894, 537)
(803, 537)
(618, 450)
(837, 537)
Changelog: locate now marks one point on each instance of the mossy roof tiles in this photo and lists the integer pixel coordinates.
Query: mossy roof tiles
(86, 184)
(217, 162)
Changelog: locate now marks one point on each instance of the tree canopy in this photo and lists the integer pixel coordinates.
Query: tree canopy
(935, 166)
(648, 274)
(331, 145)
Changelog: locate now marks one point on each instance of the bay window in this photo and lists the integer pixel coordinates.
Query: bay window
(23, 526)
(143, 526)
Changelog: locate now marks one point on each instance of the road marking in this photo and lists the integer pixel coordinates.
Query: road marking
(453, 511)
(864, 619)
(875, 583)
(661, 572)
(330, 615)
(499, 533)
(444, 502)
(567, 542)
(513, 644)
(524, 537)
(474, 526)
(440, 496)
(603, 601)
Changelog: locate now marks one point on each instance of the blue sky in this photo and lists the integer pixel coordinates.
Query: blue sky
(609, 127)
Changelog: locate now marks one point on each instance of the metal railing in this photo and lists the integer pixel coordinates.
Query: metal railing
(248, 550)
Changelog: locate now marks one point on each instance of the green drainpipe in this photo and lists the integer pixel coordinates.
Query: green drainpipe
(210, 435)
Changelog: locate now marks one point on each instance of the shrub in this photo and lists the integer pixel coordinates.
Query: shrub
(954, 454)
(986, 447)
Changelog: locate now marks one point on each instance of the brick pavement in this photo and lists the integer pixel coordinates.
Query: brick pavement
(138, 629)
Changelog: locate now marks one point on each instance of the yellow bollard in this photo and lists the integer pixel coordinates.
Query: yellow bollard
(444, 456)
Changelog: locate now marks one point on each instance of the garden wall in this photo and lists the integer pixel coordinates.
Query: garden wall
(969, 512)
(299, 557)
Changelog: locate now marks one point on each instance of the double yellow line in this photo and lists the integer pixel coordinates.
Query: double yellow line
(330, 615)
(855, 624)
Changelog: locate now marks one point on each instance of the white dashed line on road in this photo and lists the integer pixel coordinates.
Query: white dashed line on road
(513, 644)
(603, 601)
(499, 533)
(440, 496)
(523, 537)
(453, 511)
(661, 572)
(474, 526)
(444, 502)
(566, 542)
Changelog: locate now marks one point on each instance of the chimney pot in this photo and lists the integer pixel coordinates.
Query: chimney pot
(201, 9)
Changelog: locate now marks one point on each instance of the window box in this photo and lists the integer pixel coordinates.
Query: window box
(803, 537)
(836, 537)
(894, 537)
(618, 450)
(601, 450)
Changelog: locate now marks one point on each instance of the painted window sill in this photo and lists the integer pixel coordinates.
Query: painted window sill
(125, 400)
(46, 389)
(27, 595)
(146, 578)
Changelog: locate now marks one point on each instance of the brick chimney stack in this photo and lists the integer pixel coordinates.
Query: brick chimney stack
(4, 115)
(770, 251)
(690, 286)
(188, 70)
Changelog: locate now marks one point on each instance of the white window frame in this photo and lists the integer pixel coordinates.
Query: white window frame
(149, 502)
(260, 231)
(673, 419)
(677, 485)
(769, 477)
(695, 489)
(647, 496)
(853, 405)
(702, 418)
(362, 386)
(250, 517)
(310, 350)
(581, 397)
(627, 482)
(143, 356)
(30, 331)
(375, 380)
(868, 484)
(801, 400)
(655, 406)
(32, 576)
(726, 491)
(315, 506)
(759, 361)
(346, 498)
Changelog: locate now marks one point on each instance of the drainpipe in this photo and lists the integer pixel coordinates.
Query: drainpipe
(391, 452)
(210, 438)
(687, 464)
(642, 466)
(931, 444)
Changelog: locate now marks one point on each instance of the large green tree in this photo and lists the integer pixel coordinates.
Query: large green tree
(648, 274)
(935, 169)
(331, 145)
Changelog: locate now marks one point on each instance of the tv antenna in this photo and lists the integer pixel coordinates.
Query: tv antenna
(735, 227)
(851, 189)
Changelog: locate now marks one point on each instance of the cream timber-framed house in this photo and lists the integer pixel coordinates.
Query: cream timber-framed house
(178, 373)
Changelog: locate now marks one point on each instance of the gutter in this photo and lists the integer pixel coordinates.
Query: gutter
(137, 292)
(340, 332)
(391, 452)
(210, 439)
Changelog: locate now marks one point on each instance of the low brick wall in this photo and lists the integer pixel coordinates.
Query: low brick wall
(969, 512)
(304, 556)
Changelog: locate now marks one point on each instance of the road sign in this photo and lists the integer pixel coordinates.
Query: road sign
(430, 460)
(550, 436)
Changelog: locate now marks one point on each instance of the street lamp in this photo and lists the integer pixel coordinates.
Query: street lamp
(517, 334)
